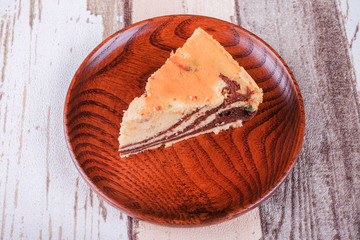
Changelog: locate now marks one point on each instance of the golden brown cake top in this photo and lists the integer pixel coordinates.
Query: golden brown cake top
(191, 75)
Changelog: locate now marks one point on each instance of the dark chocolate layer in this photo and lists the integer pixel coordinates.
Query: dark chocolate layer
(222, 118)
(185, 118)
(232, 89)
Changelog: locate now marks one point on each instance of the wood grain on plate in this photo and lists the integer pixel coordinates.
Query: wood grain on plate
(204, 179)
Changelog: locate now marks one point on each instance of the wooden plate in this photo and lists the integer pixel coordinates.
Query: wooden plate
(201, 180)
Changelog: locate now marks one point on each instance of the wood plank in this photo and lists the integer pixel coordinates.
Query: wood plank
(350, 17)
(320, 199)
(245, 227)
(42, 44)
(248, 225)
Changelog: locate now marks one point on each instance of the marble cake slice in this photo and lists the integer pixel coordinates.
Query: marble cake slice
(200, 89)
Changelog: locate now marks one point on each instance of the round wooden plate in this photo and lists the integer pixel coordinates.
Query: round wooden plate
(201, 180)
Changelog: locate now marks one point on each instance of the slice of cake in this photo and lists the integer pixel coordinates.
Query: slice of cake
(199, 89)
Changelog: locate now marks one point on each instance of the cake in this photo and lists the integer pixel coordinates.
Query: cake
(200, 89)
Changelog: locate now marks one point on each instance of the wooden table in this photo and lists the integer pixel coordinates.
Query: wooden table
(42, 43)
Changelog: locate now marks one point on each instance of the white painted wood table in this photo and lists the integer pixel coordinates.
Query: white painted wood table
(42, 43)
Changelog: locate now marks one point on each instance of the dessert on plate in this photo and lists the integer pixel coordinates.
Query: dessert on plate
(200, 89)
